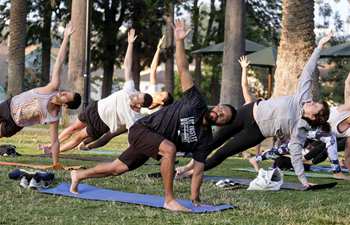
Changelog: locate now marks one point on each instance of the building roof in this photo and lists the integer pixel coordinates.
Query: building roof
(264, 57)
(341, 50)
(250, 47)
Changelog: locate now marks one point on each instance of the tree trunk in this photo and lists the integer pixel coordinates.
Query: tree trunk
(231, 91)
(109, 51)
(136, 67)
(215, 81)
(16, 55)
(195, 43)
(296, 44)
(77, 46)
(46, 43)
(220, 18)
(209, 31)
(169, 63)
(197, 70)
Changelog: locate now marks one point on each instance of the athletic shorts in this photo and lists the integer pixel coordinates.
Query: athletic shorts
(8, 127)
(95, 127)
(144, 144)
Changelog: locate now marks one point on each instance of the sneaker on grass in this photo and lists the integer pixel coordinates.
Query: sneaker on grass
(34, 183)
(24, 182)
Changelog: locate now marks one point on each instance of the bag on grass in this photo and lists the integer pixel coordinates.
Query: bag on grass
(8, 150)
(267, 180)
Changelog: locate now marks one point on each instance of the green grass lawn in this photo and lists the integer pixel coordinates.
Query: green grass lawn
(21, 206)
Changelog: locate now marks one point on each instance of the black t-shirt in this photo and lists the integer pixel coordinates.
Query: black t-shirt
(182, 123)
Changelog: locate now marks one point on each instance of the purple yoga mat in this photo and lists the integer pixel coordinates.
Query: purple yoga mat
(90, 192)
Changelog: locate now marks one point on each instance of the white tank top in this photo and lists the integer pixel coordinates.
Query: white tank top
(335, 118)
(29, 108)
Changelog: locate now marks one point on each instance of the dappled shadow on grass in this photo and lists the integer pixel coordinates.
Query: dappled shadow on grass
(20, 206)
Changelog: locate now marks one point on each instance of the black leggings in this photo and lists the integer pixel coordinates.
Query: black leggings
(242, 134)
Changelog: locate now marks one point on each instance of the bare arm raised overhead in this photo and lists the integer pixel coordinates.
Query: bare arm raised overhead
(248, 97)
(180, 55)
(305, 81)
(55, 82)
(128, 55)
(155, 62)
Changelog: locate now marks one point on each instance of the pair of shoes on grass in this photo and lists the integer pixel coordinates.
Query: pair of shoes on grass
(225, 183)
(33, 180)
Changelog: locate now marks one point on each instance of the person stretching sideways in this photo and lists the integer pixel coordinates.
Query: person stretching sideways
(160, 99)
(41, 105)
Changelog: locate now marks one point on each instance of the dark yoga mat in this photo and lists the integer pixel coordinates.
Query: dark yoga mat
(290, 173)
(285, 185)
(89, 192)
(245, 182)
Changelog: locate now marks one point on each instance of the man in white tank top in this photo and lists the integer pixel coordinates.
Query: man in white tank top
(160, 99)
(40, 105)
(110, 116)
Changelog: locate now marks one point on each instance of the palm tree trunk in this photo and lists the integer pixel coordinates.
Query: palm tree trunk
(16, 55)
(169, 63)
(109, 48)
(136, 67)
(77, 46)
(46, 43)
(296, 44)
(231, 91)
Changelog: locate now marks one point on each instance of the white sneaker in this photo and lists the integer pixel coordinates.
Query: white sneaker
(225, 183)
(24, 182)
(34, 184)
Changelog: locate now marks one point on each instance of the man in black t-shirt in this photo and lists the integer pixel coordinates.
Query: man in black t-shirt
(185, 124)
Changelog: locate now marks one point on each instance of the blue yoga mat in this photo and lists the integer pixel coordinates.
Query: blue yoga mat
(89, 192)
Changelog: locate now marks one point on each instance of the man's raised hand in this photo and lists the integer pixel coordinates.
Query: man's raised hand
(243, 60)
(180, 30)
(325, 39)
(131, 36)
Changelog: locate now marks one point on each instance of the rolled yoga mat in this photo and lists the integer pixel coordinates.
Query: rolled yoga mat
(90, 192)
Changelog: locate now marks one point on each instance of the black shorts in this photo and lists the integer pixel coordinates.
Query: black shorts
(95, 127)
(144, 144)
(8, 127)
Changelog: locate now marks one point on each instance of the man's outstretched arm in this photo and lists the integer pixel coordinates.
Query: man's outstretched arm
(55, 81)
(55, 144)
(248, 97)
(155, 62)
(180, 55)
(128, 55)
(197, 179)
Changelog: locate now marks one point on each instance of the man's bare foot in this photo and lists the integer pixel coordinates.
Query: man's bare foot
(254, 163)
(174, 206)
(341, 176)
(74, 182)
